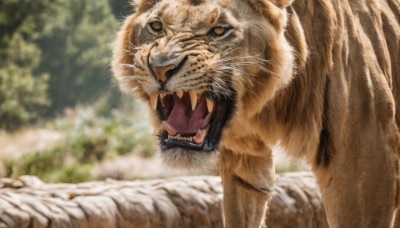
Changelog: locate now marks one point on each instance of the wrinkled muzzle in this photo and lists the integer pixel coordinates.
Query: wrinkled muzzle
(167, 57)
(191, 111)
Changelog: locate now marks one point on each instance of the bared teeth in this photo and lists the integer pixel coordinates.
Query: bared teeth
(210, 105)
(179, 93)
(182, 138)
(168, 128)
(193, 98)
(199, 137)
(154, 100)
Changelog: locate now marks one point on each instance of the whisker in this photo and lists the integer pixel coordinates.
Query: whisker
(247, 74)
(259, 67)
(129, 66)
(242, 57)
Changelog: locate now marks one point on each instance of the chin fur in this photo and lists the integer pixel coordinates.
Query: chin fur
(190, 159)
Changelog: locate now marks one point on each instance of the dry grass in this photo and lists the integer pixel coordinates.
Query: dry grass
(27, 141)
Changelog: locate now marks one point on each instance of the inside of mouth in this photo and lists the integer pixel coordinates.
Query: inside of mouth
(187, 119)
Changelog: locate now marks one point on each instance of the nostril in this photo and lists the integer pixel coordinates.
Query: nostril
(170, 73)
(163, 73)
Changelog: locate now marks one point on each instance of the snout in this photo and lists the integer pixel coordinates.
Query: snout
(163, 67)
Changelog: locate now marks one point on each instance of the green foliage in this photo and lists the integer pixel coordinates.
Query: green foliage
(23, 91)
(76, 52)
(22, 96)
(53, 165)
(24, 17)
(90, 139)
(54, 54)
(121, 8)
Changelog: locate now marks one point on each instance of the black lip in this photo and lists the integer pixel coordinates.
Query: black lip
(223, 111)
(171, 143)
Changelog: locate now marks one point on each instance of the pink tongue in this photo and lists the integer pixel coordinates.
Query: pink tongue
(183, 119)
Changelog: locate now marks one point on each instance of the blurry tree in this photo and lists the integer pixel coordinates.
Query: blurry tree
(76, 52)
(23, 90)
(60, 47)
(121, 8)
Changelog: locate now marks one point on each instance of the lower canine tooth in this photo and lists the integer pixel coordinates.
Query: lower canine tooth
(199, 137)
(193, 98)
(154, 100)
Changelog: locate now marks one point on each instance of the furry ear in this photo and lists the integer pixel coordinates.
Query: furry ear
(282, 3)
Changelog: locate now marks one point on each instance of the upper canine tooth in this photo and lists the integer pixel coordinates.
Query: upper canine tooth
(154, 100)
(210, 105)
(193, 98)
(179, 93)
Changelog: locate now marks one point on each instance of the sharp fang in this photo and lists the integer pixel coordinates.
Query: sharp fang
(199, 137)
(154, 100)
(210, 105)
(193, 98)
(179, 93)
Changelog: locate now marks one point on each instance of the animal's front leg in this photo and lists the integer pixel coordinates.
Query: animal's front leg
(248, 182)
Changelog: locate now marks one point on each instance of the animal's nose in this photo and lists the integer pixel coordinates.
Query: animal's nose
(165, 67)
(163, 72)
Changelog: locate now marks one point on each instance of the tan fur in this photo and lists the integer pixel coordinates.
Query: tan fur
(327, 92)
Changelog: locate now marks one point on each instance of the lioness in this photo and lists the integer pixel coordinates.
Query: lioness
(229, 79)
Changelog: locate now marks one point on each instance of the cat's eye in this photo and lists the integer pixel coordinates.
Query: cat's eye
(156, 26)
(219, 31)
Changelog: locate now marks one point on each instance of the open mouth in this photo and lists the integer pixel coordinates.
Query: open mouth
(190, 120)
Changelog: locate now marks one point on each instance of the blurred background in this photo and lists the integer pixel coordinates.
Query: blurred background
(62, 116)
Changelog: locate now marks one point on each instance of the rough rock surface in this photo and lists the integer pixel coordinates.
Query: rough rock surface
(173, 202)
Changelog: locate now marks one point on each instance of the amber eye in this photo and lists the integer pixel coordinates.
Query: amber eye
(219, 31)
(156, 26)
